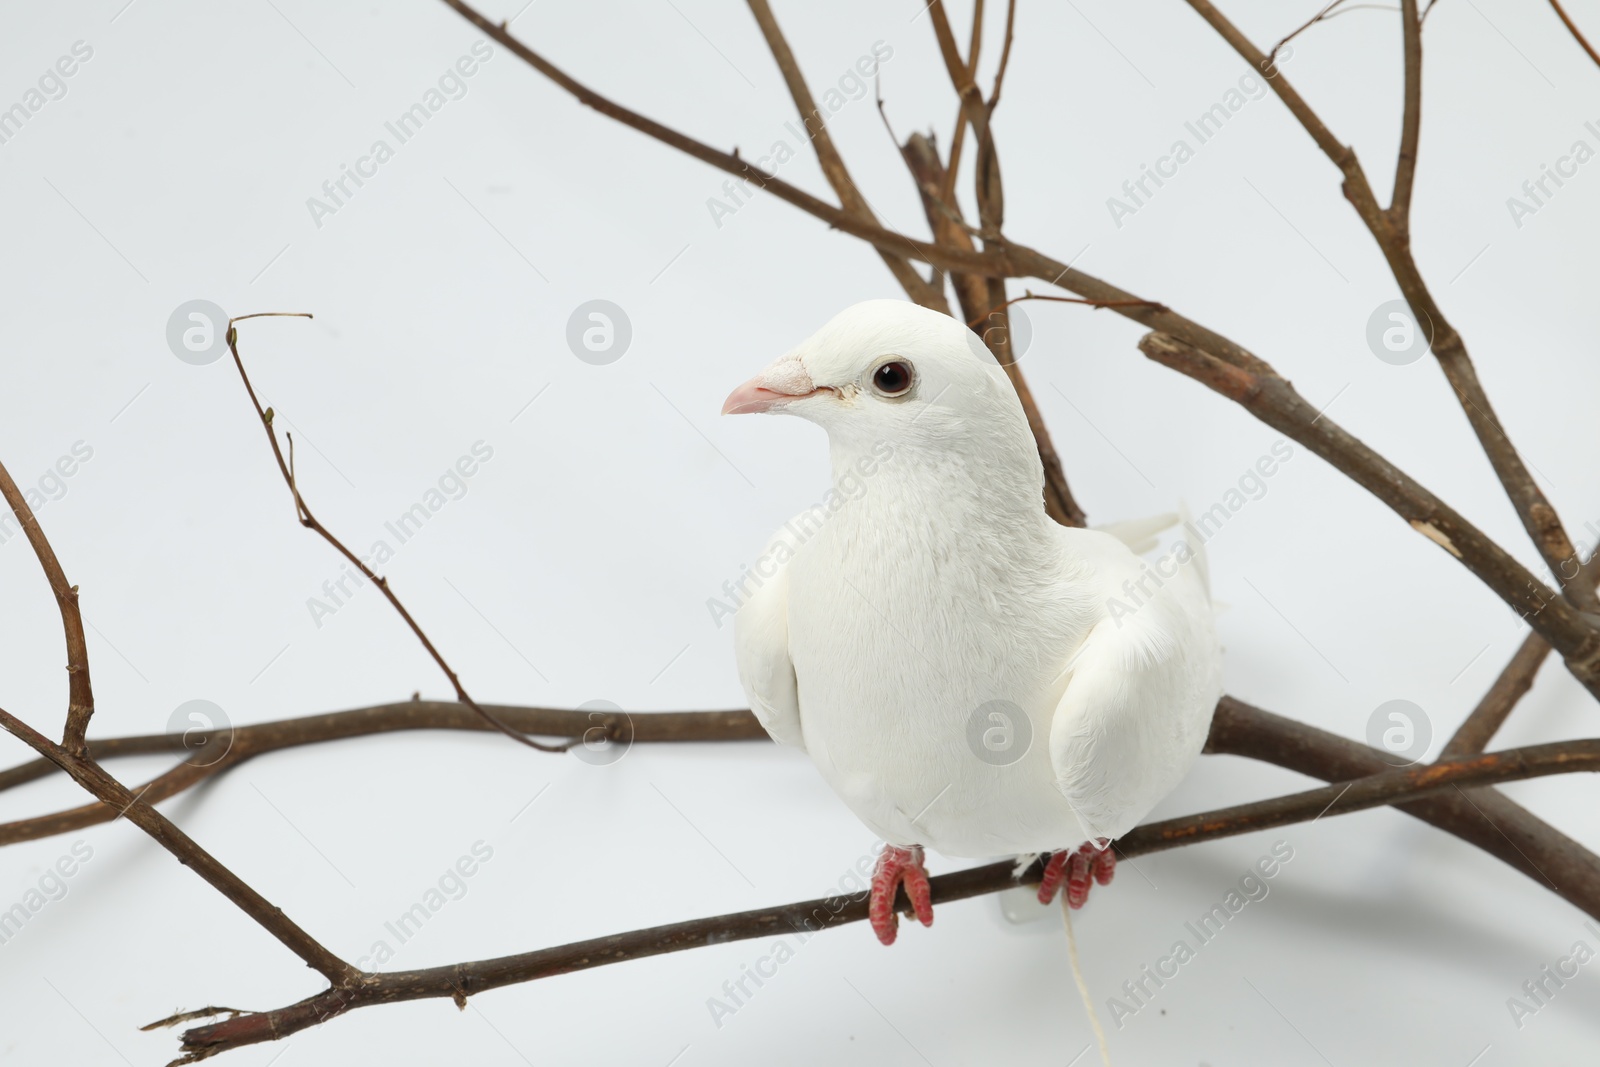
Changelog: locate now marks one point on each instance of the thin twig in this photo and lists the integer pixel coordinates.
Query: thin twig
(1005, 55)
(975, 40)
(310, 522)
(1029, 294)
(80, 694)
(1405, 167)
(958, 133)
(833, 167)
(1272, 53)
(1327, 14)
(1572, 28)
(977, 115)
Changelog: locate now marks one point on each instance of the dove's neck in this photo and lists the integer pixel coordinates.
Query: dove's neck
(988, 488)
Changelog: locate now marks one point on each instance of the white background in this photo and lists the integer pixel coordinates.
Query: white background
(579, 562)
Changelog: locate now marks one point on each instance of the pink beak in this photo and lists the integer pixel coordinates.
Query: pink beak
(781, 383)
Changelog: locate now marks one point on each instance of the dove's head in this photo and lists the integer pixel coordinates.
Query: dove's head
(890, 370)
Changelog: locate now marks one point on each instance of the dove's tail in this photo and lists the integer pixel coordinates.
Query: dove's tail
(1083, 987)
(1197, 545)
(1140, 534)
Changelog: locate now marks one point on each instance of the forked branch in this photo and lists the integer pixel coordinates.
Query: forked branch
(1551, 615)
(833, 167)
(109, 791)
(1454, 793)
(1391, 228)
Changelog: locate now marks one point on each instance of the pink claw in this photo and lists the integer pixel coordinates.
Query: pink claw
(1105, 865)
(1078, 878)
(897, 867)
(1078, 868)
(1055, 869)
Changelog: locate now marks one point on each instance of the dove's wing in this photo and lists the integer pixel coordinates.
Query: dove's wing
(761, 647)
(1139, 698)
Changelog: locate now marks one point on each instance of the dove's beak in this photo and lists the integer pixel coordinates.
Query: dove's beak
(780, 384)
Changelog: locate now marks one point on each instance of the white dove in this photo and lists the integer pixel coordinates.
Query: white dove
(966, 673)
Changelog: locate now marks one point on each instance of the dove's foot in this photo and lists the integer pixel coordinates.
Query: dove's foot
(896, 867)
(1076, 867)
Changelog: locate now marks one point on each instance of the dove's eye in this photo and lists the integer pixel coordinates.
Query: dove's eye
(894, 378)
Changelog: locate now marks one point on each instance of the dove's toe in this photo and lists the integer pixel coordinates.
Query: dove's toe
(897, 867)
(1078, 869)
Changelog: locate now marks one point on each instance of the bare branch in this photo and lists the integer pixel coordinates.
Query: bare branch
(991, 198)
(246, 742)
(983, 299)
(108, 790)
(1391, 229)
(1567, 631)
(977, 295)
(944, 216)
(992, 324)
(1005, 55)
(1405, 168)
(80, 694)
(960, 70)
(1513, 682)
(975, 41)
(1303, 27)
(1484, 817)
(461, 980)
(1454, 793)
(1327, 14)
(952, 167)
(1479, 727)
(730, 163)
(1262, 392)
(159, 788)
(1386, 787)
(916, 287)
(1572, 28)
(309, 521)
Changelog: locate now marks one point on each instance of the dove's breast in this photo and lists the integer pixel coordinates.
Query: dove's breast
(929, 664)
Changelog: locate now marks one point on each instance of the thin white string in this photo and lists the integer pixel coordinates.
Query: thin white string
(1083, 987)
